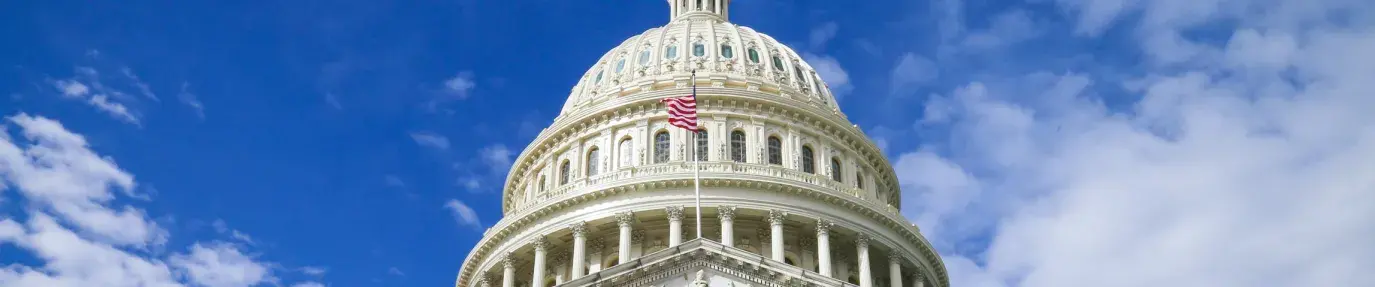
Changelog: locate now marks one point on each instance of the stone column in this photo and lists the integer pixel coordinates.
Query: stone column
(823, 247)
(675, 225)
(865, 274)
(624, 220)
(918, 280)
(776, 219)
(895, 269)
(537, 279)
(508, 271)
(727, 215)
(483, 281)
(579, 248)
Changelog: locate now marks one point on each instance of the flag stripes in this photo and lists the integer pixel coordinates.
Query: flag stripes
(682, 112)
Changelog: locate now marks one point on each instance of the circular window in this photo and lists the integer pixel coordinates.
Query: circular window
(727, 52)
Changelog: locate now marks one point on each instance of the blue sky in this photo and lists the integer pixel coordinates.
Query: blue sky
(363, 143)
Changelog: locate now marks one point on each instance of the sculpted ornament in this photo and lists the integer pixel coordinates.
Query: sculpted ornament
(777, 217)
(675, 213)
(579, 228)
(727, 213)
(624, 219)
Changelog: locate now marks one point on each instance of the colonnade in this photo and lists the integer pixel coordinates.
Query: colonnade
(625, 221)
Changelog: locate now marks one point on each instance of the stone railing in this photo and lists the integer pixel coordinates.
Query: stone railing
(708, 170)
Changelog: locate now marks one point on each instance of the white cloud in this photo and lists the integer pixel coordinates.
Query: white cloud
(1007, 28)
(430, 140)
(463, 214)
(912, 71)
(76, 234)
(1227, 172)
(86, 86)
(190, 100)
(308, 284)
(497, 158)
(220, 265)
(831, 72)
(138, 83)
(59, 173)
(822, 35)
(223, 229)
(314, 271)
(460, 85)
(395, 272)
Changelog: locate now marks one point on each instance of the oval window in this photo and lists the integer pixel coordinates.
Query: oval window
(798, 71)
(754, 55)
(699, 50)
(671, 53)
(599, 77)
(620, 65)
(777, 63)
(644, 58)
(727, 52)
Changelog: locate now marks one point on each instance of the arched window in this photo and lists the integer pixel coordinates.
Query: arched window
(775, 150)
(627, 152)
(661, 147)
(540, 188)
(808, 164)
(859, 180)
(699, 50)
(727, 51)
(563, 172)
(671, 52)
(701, 146)
(737, 146)
(753, 55)
(594, 160)
(835, 170)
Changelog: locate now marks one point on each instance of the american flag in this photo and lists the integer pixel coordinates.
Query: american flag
(682, 111)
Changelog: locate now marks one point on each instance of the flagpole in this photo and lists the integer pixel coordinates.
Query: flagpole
(696, 172)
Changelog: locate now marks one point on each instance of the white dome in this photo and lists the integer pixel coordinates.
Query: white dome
(784, 189)
(708, 44)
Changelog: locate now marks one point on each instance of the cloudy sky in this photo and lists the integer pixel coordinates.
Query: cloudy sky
(1039, 143)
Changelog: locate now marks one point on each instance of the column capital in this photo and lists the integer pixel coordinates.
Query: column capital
(508, 261)
(541, 243)
(624, 219)
(896, 256)
(675, 212)
(777, 217)
(726, 212)
(579, 228)
(823, 227)
(862, 241)
(484, 280)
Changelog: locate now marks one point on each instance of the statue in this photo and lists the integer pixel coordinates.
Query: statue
(701, 278)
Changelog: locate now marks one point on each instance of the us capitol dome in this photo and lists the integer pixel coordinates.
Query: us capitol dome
(792, 193)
